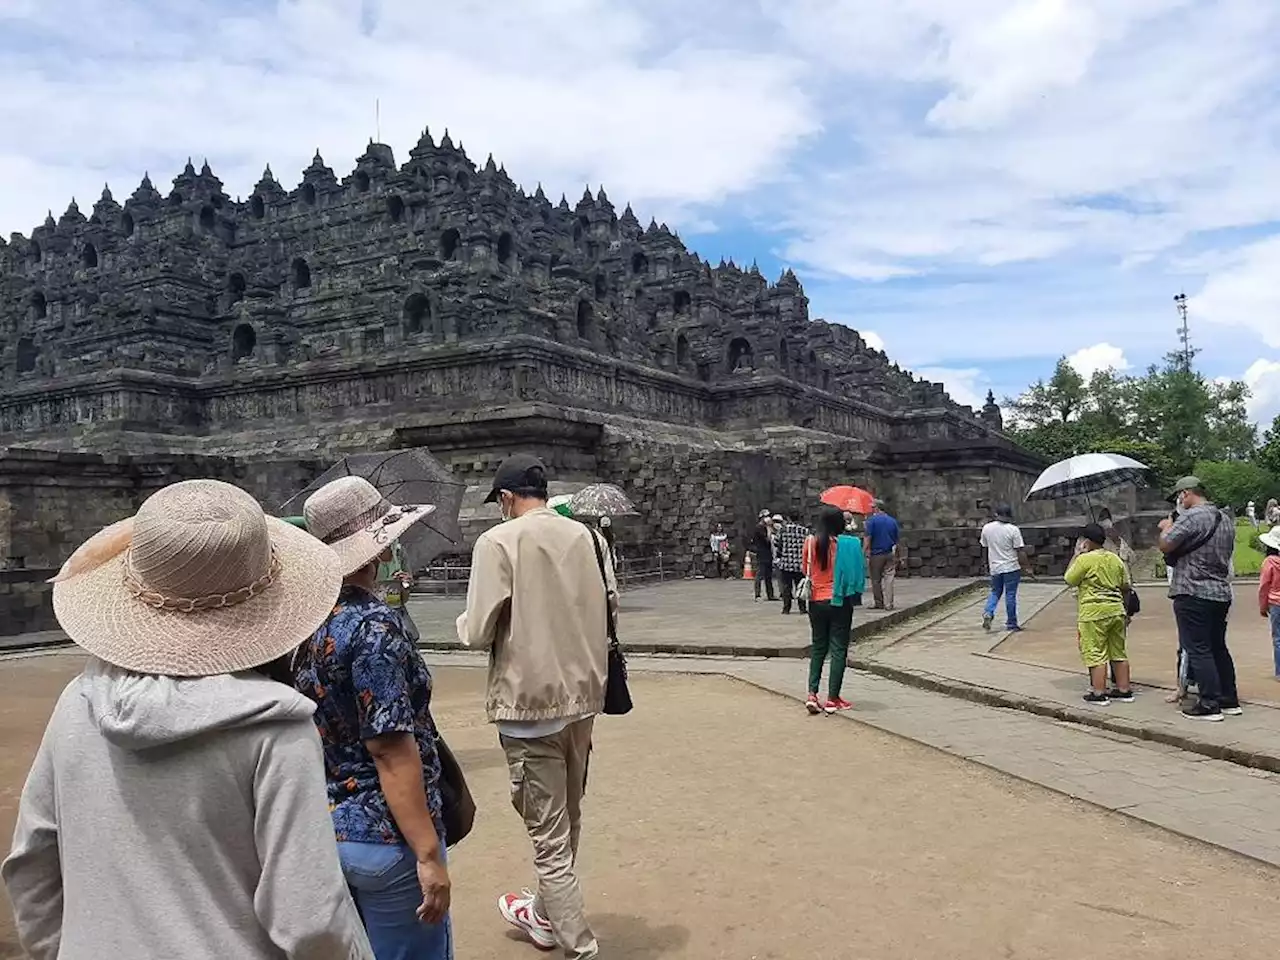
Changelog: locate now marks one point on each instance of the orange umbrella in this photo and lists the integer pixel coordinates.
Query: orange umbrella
(849, 499)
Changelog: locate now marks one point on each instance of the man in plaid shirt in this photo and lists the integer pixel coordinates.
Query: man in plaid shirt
(791, 537)
(1198, 546)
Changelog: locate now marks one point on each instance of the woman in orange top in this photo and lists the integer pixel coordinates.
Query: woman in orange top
(830, 624)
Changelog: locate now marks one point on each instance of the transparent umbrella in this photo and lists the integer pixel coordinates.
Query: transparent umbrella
(601, 500)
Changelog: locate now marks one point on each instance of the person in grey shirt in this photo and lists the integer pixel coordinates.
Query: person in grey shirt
(1198, 546)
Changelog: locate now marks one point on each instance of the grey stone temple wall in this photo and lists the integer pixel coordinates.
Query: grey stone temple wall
(436, 302)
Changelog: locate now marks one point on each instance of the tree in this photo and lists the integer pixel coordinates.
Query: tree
(1267, 455)
(1235, 482)
(1170, 418)
(1054, 402)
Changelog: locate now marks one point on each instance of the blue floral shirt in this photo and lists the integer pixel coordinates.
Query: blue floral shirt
(367, 679)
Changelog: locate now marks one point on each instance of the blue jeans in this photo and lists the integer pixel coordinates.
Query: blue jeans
(1006, 583)
(1275, 635)
(384, 882)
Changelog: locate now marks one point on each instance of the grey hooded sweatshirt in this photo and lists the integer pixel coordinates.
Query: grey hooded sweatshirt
(168, 819)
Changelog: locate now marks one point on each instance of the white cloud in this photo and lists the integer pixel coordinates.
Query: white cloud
(1101, 356)
(1263, 379)
(873, 339)
(989, 184)
(566, 91)
(1002, 131)
(967, 387)
(1245, 292)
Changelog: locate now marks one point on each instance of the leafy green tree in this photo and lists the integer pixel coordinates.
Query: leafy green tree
(1236, 482)
(1057, 401)
(1169, 418)
(1268, 453)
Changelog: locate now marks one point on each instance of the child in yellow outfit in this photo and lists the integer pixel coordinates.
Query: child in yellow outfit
(1102, 581)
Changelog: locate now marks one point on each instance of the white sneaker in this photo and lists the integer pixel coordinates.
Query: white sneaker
(517, 910)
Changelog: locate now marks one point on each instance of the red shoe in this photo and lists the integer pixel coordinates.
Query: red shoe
(812, 704)
(836, 703)
(518, 911)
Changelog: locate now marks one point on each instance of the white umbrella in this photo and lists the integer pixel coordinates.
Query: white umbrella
(1088, 473)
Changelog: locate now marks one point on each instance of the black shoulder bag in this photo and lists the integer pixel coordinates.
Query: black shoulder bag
(1192, 546)
(458, 807)
(617, 696)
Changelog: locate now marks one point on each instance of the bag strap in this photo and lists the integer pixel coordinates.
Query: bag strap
(1196, 544)
(604, 581)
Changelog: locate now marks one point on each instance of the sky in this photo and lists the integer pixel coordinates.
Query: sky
(980, 186)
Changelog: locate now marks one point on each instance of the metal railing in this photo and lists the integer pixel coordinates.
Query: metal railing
(449, 579)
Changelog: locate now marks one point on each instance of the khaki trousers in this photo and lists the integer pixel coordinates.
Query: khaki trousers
(884, 567)
(548, 779)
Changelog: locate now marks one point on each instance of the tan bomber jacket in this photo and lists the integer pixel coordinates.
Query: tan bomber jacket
(537, 603)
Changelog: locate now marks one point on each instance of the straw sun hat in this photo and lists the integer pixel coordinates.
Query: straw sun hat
(199, 582)
(352, 517)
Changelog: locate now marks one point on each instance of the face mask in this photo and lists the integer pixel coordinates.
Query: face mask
(505, 504)
(1181, 501)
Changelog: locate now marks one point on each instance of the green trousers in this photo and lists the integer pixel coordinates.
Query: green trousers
(830, 626)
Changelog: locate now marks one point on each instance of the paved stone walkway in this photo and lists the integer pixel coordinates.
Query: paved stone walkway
(953, 654)
(1219, 803)
(709, 618)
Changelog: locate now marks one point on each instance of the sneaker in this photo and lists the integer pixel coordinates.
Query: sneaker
(1097, 699)
(1232, 710)
(986, 622)
(1198, 711)
(517, 910)
(812, 705)
(836, 703)
(1124, 696)
(1013, 628)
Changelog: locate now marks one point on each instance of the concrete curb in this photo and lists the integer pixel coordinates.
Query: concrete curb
(861, 632)
(1056, 710)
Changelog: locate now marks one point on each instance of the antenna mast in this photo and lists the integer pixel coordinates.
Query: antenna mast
(1184, 331)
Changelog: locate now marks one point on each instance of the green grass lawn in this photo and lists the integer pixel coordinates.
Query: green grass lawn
(1248, 559)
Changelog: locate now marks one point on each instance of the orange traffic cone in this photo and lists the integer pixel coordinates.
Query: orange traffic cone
(748, 571)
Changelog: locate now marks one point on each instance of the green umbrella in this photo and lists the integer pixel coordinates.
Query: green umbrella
(300, 522)
(560, 504)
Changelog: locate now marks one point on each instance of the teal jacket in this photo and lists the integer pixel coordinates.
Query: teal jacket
(851, 570)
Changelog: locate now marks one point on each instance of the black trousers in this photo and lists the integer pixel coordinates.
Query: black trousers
(764, 572)
(1202, 634)
(790, 580)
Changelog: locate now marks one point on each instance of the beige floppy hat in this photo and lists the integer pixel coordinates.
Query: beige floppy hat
(1272, 538)
(352, 517)
(199, 582)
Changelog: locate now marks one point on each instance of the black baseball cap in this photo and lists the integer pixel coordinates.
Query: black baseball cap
(1094, 533)
(513, 475)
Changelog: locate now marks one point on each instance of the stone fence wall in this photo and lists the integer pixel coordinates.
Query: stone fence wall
(26, 601)
(956, 552)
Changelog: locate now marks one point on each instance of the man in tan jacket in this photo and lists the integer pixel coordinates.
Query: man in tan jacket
(537, 601)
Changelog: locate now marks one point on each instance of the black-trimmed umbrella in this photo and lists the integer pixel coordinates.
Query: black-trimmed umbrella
(1087, 473)
(403, 476)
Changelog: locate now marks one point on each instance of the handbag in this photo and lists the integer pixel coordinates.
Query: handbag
(617, 695)
(1132, 605)
(458, 807)
(804, 590)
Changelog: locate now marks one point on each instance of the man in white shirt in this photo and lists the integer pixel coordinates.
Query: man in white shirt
(1007, 560)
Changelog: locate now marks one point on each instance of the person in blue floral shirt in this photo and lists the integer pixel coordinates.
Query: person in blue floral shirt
(372, 691)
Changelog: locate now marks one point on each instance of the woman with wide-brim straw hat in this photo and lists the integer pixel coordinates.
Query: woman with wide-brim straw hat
(373, 695)
(176, 807)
